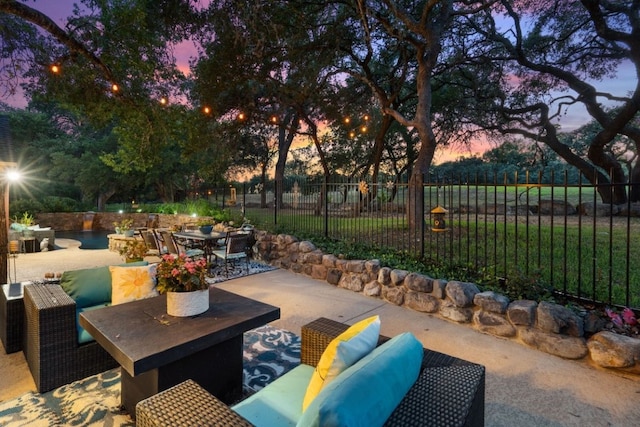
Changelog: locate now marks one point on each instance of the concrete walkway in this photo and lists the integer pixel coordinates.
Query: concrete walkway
(524, 387)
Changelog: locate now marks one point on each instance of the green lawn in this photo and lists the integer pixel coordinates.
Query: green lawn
(579, 258)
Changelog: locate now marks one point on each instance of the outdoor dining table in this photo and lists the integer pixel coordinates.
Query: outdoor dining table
(157, 351)
(208, 241)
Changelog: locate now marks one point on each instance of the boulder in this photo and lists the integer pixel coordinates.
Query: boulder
(461, 293)
(491, 301)
(384, 276)
(559, 345)
(611, 350)
(397, 276)
(420, 301)
(418, 282)
(395, 295)
(522, 312)
(558, 319)
(493, 323)
(353, 282)
(457, 314)
(372, 289)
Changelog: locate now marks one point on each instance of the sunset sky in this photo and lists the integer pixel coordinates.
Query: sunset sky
(626, 80)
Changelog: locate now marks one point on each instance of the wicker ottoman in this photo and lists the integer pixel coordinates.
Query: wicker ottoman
(186, 404)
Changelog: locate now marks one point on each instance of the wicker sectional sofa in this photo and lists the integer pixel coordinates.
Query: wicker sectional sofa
(51, 345)
(57, 350)
(448, 392)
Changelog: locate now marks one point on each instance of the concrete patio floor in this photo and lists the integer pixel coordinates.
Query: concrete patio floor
(524, 387)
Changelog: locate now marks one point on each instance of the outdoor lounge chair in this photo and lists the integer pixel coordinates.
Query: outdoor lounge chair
(448, 392)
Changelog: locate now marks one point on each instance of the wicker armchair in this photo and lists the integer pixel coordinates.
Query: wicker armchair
(448, 392)
(51, 340)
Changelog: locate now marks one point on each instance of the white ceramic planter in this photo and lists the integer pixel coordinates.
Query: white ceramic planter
(186, 304)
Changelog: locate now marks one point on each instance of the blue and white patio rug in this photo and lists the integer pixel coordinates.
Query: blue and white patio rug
(235, 270)
(95, 401)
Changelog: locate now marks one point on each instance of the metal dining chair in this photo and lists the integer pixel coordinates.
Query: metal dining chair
(234, 250)
(174, 247)
(150, 240)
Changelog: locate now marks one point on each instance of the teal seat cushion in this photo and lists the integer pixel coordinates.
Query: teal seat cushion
(366, 393)
(90, 286)
(84, 336)
(280, 403)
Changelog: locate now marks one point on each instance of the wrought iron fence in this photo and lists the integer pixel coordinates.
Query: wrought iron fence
(510, 227)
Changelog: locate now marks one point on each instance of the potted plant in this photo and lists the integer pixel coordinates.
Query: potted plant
(183, 280)
(23, 223)
(133, 251)
(124, 227)
(205, 225)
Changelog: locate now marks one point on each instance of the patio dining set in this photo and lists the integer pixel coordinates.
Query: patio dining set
(228, 247)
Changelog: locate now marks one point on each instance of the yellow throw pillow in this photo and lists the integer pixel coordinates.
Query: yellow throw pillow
(345, 350)
(132, 283)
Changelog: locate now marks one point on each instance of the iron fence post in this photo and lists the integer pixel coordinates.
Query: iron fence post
(275, 203)
(325, 207)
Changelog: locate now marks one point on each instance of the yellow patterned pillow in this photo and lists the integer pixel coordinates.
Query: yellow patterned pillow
(132, 283)
(345, 350)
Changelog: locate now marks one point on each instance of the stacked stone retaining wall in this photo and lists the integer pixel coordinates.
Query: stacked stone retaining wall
(545, 326)
(74, 221)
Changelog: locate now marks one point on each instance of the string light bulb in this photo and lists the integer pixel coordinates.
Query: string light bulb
(206, 110)
(241, 116)
(356, 127)
(115, 88)
(55, 68)
(164, 101)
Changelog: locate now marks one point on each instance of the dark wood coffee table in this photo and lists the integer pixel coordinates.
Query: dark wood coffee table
(157, 351)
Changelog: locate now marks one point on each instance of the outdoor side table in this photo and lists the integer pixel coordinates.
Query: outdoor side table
(28, 245)
(12, 316)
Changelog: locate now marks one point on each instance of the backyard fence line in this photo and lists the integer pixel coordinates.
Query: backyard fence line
(552, 231)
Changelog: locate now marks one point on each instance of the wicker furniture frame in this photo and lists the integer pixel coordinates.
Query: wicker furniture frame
(448, 392)
(51, 340)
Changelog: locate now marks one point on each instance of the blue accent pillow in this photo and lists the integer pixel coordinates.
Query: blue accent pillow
(84, 336)
(367, 393)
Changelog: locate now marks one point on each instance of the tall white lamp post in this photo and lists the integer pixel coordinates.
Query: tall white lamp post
(8, 173)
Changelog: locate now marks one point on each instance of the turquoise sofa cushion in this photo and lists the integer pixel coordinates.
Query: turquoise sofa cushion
(280, 403)
(83, 335)
(90, 286)
(366, 393)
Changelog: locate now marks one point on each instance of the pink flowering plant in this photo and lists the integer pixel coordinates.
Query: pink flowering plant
(180, 273)
(624, 323)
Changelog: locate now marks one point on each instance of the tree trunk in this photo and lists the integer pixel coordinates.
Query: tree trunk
(615, 194)
(102, 199)
(284, 143)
